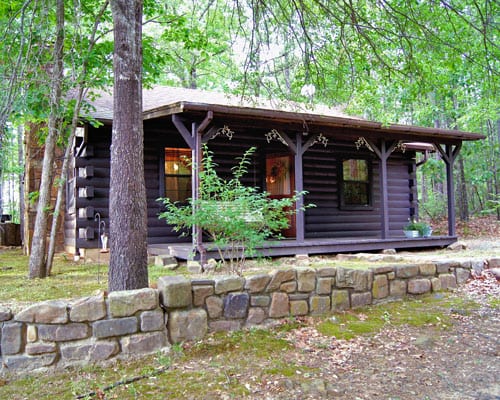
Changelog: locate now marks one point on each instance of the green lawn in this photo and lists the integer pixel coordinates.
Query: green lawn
(68, 280)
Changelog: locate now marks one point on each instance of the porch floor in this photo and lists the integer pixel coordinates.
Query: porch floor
(291, 247)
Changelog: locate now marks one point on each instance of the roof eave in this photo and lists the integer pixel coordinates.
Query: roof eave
(326, 120)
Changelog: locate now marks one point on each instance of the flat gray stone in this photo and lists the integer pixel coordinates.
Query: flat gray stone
(462, 275)
(361, 299)
(40, 348)
(260, 301)
(194, 267)
(419, 286)
(406, 271)
(299, 307)
(327, 272)
(125, 303)
(5, 314)
(225, 325)
(436, 284)
(257, 283)
(12, 338)
(448, 281)
(427, 269)
(167, 261)
(187, 325)
(278, 277)
(384, 269)
(288, 287)
(200, 293)
(115, 327)
(324, 285)
(397, 288)
(279, 305)
(175, 291)
(340, 300)
(493, 262)
(29, 363)
(256, 315)
(215, 306)
(306, 279)
(63, 333)
(236, 305)
(359, 280)
(47, 312)
(319, 304)
(143, 343)
(380, 288)
(88, 309)
(444, 267)
(227, 284)
(152, 321)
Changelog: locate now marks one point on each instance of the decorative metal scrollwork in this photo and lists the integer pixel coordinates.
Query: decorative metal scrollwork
(321, 139)
(224, 131)
(362, 142)
(273, 134)
(401, 146)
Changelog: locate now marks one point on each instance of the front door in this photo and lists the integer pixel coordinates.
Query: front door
(280, 183)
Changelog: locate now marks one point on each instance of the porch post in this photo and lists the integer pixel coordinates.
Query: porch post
(449, 155)
(195, 186)
(384, 198)
(299, 187)
(383, 154)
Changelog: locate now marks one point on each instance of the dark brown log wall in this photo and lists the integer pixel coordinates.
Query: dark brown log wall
(326, 220)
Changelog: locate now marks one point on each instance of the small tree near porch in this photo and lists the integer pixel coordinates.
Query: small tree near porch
(236, 218)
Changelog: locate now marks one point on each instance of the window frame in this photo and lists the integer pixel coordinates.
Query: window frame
(355, 207)
(163, 173)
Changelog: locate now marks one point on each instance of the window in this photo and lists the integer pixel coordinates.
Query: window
(356, 184)
(177, 174)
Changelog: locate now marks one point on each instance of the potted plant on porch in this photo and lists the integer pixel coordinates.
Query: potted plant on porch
(415, 229)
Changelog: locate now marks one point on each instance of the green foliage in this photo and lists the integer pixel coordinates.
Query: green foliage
(237, 218)
(435, 207)
(423, 228)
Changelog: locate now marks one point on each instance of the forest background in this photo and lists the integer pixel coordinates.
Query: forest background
(430, 63)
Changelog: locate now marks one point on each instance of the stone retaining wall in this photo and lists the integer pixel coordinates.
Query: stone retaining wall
(94, 329)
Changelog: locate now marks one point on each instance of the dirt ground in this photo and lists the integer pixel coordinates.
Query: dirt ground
(407, 362)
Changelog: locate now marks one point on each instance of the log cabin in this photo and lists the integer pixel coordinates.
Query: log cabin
(360, 174)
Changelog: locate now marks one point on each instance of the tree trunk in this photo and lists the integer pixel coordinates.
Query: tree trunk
(37, 266)
(127, 203)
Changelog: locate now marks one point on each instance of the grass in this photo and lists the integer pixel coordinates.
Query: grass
(68, 279)
(428, 310)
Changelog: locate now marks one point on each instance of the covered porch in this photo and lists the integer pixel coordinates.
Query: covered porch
(291, 247)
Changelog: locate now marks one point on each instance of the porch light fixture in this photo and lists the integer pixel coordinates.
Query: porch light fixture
(273, 134)
(224, 131)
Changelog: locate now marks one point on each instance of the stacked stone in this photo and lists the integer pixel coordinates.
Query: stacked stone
(87, 330)
(94, 329)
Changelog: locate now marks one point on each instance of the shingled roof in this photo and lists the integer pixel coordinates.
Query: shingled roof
(162, 101)
(160, 97)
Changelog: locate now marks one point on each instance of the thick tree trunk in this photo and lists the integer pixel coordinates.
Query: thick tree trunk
(37, 262)
(127, 204)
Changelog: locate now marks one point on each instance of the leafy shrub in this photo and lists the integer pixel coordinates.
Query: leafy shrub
(236, 218)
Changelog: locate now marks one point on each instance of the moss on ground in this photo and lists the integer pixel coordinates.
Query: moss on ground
(427, 310)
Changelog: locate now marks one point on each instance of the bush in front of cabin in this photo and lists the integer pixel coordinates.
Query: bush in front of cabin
(237, 219)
